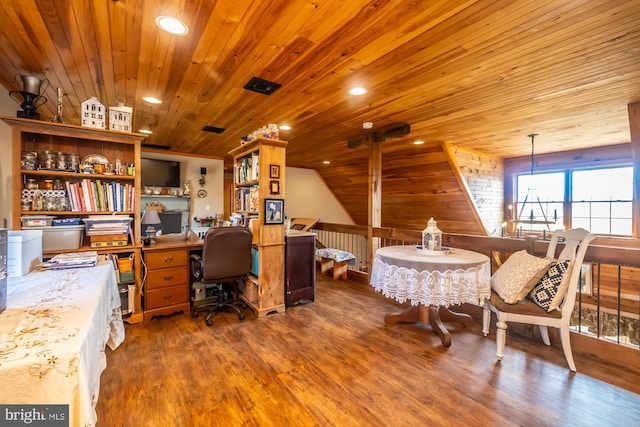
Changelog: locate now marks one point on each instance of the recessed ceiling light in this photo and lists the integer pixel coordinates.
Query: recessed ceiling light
(326, 162)
(151, 100)
(172, 25)
(284, 127)
(367, 125)
(357, 91)
(418, 142)
(145, 131)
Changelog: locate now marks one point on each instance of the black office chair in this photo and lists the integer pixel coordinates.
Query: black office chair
(226, 258)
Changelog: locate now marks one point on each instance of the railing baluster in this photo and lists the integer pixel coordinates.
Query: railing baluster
(354, 239)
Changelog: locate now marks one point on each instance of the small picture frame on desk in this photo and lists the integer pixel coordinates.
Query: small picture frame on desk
(274, 187)
(273, 211)
(274, 171)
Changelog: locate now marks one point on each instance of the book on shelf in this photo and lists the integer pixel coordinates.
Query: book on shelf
(107, 237)
(248, 168)
(109, 244)
(99, 196)
(255, 166)
(254, 198)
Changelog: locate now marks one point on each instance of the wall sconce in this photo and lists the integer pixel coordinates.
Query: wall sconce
(203, 172)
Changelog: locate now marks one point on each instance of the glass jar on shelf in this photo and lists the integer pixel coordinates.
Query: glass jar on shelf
(29, 160)
(47, 160)
(61, 160)
(73, 162)
(31, 184)
(273, 131)
(63, 204)
(50, 203)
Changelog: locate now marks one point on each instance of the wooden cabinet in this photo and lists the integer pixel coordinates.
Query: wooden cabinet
(300, 268)
(166, 285)
(259, 175)
(48, 139)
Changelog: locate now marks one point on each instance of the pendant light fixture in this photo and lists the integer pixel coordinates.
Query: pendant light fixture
(533, 199)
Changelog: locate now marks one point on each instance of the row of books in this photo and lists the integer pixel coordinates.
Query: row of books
(248, 168)
(247, 199)
(89, 195)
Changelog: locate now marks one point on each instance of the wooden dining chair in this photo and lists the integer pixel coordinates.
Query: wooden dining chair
(552, 299)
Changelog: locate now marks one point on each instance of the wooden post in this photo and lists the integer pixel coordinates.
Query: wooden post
(374, 200)
(634, 127)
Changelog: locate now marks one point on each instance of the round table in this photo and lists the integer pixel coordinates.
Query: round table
(431, 282)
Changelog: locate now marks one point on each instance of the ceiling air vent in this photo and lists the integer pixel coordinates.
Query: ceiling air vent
(213, 129)
(261, 86)
(157, 147)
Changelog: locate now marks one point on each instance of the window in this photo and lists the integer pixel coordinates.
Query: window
(540, 201)
(599, 200)
(602, 200)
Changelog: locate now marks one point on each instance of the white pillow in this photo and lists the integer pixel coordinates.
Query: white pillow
(518, 275)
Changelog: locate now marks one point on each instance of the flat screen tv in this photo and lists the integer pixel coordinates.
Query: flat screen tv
(160, 173)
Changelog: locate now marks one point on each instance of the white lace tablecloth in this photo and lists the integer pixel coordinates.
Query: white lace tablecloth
(53, 336)
(405, 274)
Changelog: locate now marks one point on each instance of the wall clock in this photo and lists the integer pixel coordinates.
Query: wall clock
(202, 194)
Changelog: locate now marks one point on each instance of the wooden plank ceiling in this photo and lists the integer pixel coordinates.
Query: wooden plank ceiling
(479, 75)
(476, 74)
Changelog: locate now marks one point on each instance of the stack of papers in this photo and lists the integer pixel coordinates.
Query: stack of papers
(96, 228)
(72, 260)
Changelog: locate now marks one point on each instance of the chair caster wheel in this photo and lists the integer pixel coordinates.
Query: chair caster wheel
(241, 316)
(209, 322)
(194, 314)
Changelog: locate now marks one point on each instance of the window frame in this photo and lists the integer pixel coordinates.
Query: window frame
(566, 161)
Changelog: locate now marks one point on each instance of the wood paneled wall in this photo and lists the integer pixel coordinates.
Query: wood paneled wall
(419, 182)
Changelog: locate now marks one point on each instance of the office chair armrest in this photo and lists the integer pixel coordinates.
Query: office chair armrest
(196, 267)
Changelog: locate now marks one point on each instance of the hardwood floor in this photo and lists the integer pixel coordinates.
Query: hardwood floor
(335, 363)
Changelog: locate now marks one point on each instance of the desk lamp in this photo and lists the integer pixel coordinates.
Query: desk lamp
(150, 218)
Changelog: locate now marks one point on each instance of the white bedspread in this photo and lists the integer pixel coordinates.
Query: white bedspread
(53, 336)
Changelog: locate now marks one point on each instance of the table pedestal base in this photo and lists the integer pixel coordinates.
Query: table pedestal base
(429, 315)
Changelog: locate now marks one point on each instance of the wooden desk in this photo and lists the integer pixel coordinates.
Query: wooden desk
(167, 280)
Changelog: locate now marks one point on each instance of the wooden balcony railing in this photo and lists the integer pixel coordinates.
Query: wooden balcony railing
(608, 302)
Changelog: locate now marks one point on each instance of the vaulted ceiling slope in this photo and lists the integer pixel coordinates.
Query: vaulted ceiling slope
(476, 74)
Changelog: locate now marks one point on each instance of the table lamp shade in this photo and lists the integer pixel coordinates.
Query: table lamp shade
(150, 217)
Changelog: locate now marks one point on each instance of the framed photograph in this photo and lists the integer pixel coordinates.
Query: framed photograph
(273, 211)
(274, 187)
(274, 171)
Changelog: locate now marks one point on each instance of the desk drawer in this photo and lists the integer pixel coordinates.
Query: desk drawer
(165, 277)
(163, 259)
(166, 296)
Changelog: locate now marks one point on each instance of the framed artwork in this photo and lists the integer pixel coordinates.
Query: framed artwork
(273, 211)
(274, 171)
(274, 187)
